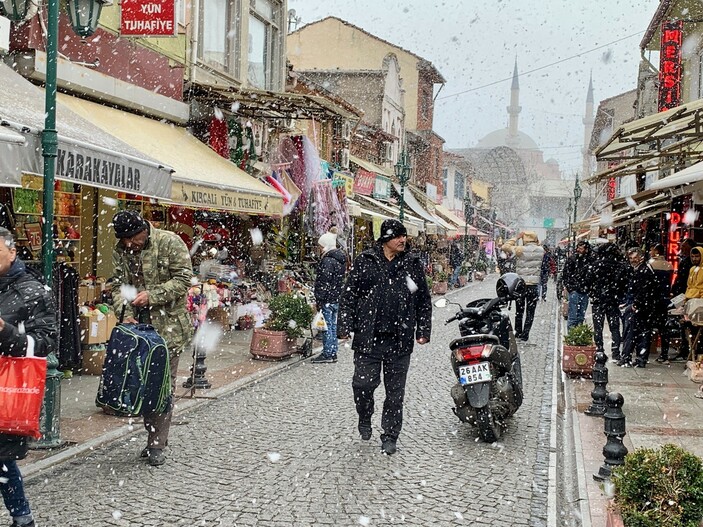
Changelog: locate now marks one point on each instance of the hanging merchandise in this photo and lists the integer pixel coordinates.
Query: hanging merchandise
(292, 189)
(271, 180)
(219, 135)
(236, 140)
(305, 164)
(327, 208)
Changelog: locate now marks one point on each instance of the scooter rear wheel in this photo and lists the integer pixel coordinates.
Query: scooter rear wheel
(489, 429)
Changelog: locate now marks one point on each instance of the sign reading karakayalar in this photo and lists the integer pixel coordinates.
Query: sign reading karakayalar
(148, 18)
(199, 196)
(96, 170)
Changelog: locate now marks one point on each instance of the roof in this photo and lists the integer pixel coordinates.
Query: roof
(655, 23)
(502, 138)
(423, 64)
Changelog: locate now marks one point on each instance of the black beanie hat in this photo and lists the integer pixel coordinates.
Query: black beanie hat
(391, 229)
(127, 223)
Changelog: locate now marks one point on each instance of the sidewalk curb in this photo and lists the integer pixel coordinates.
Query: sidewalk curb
(35, 469)
(552, 487)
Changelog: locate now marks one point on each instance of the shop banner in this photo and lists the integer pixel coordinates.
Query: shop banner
(227, 200)
(148, 18)
(346, 180)
(382, 187)
(364, 182)
(377, 227)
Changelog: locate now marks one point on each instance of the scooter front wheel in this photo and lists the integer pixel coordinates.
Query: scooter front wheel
(488, 427)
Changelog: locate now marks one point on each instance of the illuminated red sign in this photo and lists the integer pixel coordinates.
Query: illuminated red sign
(670, 65)
(364, 182)
(612, 186)
(148, 18)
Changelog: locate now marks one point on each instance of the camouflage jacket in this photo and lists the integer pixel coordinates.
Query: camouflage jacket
(167, 270)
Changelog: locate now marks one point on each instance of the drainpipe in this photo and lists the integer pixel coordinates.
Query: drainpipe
(194, 35)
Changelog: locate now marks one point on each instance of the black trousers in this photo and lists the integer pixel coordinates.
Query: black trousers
(638, 337)
(611, 311)
(526, 305)
(367, 377)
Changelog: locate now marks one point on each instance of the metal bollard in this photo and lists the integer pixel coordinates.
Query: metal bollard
(600, 381)
(197, 380)
(614, 450)
(49, 419)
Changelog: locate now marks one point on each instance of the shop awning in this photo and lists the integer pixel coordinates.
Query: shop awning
(647, 143)
(411, 223)
(414, 205)
(371, 167)
(645, 210)
(460, 224)
(687, 176)
(355, 209)
(201, 178)
(87, 154)
(11, 144)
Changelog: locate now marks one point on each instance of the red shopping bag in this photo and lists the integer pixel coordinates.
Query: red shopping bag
(22, 383)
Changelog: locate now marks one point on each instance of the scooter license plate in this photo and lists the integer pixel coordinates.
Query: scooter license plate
(474, 373)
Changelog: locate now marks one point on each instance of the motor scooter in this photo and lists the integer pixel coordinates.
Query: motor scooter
(486, 361)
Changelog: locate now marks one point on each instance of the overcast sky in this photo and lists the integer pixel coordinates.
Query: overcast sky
(475, 43)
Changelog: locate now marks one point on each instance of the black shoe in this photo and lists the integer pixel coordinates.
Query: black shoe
(524, 338)
(680, 358)
(388, 447)
(15, 524)
(662, 360)
(365, 431)
(145, 452)
(625, 363)
(156, 457)
(321, 359)
(640, 365)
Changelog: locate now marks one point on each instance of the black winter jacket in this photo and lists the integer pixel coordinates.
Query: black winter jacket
(329, 278)
(577, 273)
(23, 299)
(643, 293)
(609, 279)
(362, 297)
(681, 281)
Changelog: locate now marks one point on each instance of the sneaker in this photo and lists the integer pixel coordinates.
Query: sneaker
(15, 524)
(365, 431)
(145, 452)
(156, 457)
(321, 359)
(625, 363)
(662, 360)
(388, 447)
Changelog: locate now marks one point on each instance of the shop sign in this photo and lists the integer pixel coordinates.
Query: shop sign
(382, 187)
(364, 182)
(344, 179)
(148, 18)
(611, 189)
(548, 223)
(200, 197)
(673, 240)
(670, 65)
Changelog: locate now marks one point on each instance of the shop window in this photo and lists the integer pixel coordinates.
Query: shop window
(459, 185)
(445, 178)
(264, 53)
(219, 35)
(181, 12)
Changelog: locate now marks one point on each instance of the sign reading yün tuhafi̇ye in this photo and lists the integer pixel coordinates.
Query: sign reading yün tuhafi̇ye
(148, 18)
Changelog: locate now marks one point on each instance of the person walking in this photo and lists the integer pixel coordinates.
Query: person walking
(679, 287)
(386, 304)
(638, 311)
(609, 278)
(549, 268)
(528, 264)
(664, 273)
(576, 280)
(27, 320)
(158, 265)
(456, 259)
(329, 280)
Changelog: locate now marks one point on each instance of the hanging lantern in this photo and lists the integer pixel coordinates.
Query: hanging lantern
(84, 15)
(15, 10)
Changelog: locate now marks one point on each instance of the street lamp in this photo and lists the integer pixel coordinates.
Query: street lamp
(569, 209)
(17, 11)
(577, 197)
(402, 172)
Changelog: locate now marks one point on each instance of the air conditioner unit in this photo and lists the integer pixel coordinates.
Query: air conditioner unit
(344, 161)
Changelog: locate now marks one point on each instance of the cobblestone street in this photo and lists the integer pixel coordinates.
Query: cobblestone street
(285, 452)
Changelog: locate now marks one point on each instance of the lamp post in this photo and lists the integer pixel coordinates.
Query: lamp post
(569, 209)
(84, 16)
(402, 172)
(577, 197)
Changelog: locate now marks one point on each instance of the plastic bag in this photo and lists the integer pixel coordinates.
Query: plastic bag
(22, 383)
(319, 322)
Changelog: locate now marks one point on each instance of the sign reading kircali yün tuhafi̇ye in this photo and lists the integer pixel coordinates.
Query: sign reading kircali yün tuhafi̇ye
(148, 18)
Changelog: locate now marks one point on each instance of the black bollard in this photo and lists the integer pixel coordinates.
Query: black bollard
(197, 380)
(600, 381)
(614, 450)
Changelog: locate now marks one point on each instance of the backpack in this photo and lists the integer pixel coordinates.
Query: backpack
(136, 376)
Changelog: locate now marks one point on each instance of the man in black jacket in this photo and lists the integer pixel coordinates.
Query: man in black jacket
(576, 279)
(609, 279)
(387, 305)
(329, 280)
(27, 321)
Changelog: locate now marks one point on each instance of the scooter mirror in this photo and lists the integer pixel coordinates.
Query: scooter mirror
(441, 302)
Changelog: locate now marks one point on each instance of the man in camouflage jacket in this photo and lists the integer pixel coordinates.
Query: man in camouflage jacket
(158, 265)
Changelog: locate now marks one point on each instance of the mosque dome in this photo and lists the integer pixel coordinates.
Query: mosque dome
(521, 141)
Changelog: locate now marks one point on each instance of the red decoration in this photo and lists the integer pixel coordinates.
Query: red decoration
(670, 65)
(219, 137)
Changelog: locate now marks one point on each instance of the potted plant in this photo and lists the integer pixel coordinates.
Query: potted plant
(656, 487)
(439, 286)
(578, 351)
(465, 273)
(480, 268)
(290, 315)
(245, 322)
(430, 282)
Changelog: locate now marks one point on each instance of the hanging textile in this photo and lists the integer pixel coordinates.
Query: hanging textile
(327, 208)
(292, 189)
(219, 136)
(66, 280)
(236, 142)
(305, 167)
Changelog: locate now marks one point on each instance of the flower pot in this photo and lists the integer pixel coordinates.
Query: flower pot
(271, 345)
(479, 275)
(578, 360)
(613, 518)
(439, 288)
(462, 280)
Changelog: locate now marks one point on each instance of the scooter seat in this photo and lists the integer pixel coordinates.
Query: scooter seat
(472, 340)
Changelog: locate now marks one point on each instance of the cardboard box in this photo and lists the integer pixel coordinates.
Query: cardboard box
(94, 328)
(86, 294)
(111, 323)
(93, 359)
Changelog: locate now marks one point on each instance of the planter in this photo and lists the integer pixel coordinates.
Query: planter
(479, 275)
(462, 280)
(271, 345)
(578, 360)
(613, 518)
(439, 288)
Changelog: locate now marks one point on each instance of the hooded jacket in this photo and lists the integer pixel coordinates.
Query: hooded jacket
(694, 287)
(609, 276)
(329, 278)
(23, 299)
(364, 291)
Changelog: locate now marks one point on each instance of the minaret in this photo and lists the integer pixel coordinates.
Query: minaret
(588, 121)
(514, 109)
